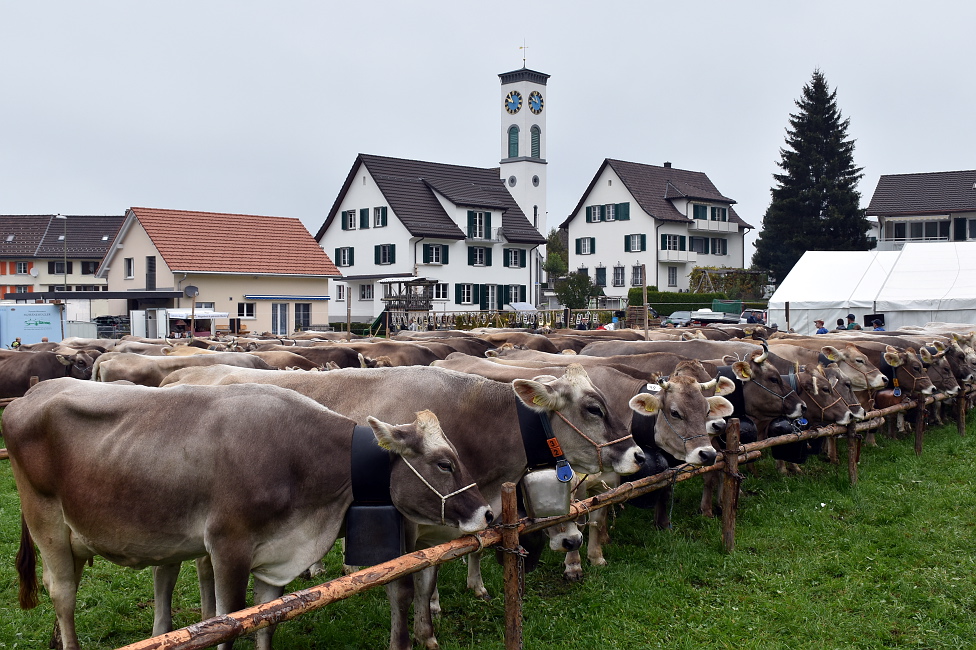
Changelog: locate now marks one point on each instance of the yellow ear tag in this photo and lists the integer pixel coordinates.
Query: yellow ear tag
(385, 445)
(537, 400)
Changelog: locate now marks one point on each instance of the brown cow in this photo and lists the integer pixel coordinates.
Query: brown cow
(17, 368)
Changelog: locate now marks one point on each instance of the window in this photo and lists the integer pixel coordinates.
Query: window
(513, 137)
(57, 268)
(466, 292)
(245, 309)
(635, 243)
(205, 305)
(384, 253)
(720, 246)
(349, 221)
(435, 253)
(618, 276)
(637, 276)
(535, 210)
(720, 214)
(583, 271)
(379, 217)
(279, 318)
(479, 224)
(440, 291)
(515, 293)
(536, 134)
(344, 256)
(303, 315)
(700, 211)
(608, 212)
(23, 288)
(699, 245)
(489, 295)
(130, 268)
(150, 273)
(366, 292)
(601, 276)
(89, 268)
(515, 258)
(586, 245)
(22, 268)
(672, 276)
(669, 242)
(340, 292)
(363, 218)
(593, 213)
(477, 255)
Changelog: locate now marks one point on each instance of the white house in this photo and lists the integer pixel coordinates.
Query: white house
(667, 220)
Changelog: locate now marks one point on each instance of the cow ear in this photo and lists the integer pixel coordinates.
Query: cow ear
(892, 357)
(938, 345)
(64, 360)
(645, 403)
(719, 407)
(925, 355)
(725, 386)
(536, 395)
(832, 353)
(742, 370)
(401, 440)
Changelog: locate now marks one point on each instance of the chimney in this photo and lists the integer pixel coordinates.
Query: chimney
(667, 165)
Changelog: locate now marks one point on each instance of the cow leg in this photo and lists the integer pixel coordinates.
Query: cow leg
(400, 593)
(425, 582)
(263, 593)
(597, 536)
(832, 450)
(435, 602)
(708, 494)
(208, 595)
(573, 566)
(662, 516)
(231, 573)
(164, 581)
(475, 583)
(61, 568)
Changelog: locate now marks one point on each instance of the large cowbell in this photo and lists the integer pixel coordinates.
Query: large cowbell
(374, 527)
(545, 493)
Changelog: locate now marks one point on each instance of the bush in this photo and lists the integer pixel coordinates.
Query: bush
(665, 302)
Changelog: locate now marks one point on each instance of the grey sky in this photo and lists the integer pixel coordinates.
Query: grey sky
(261, 107)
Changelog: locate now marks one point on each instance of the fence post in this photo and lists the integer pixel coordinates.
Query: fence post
(919, 424)
(730, 487)
(513, 564)
(853, 451)
(961, 413)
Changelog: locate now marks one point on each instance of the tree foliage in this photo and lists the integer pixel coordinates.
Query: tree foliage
(556, 263)
(575, 290)
(739, 284)
(815, 203)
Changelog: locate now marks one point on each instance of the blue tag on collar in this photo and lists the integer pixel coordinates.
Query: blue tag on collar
(563, 471)
(802, 422)
(897, 392)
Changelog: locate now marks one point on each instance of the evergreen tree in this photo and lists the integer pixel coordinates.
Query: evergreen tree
(815, 203)
(555, 265)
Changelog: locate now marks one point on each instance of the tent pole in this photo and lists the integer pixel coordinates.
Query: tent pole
(787, 317)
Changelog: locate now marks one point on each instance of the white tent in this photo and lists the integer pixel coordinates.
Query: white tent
(923, 282)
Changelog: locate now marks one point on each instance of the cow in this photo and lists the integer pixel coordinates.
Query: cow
(17, 368)
(150, 370)
(856, 365)
(483, 422)
(338, 353)
(256, 477)
(693, 349)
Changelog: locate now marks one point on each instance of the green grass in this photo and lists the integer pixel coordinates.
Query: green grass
(888, 563)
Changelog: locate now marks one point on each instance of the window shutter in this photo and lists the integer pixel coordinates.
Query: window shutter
(664, 242)
(426, 253)
(383, 216)
(342, 220)
(470, 224)
(470, 255)
(592, 245)
(522, 259)
(376, 254)
(521, 293)
(589, 214)
(476, 294)
(681, 242)
(337, 258)
(364, 218)
(457, 293)
(627, 244)
(622, 211)
(444, 249)
(500, 297)
(487, 225)
(487, 257)
(603, 213)
(483, 296)
(392, 253)
(351, 251)
(706, 245)
(579, 245)
(643, 244)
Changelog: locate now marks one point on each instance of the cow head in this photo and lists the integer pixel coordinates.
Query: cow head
(963, 370)
(592, 438)
(430, 486)
(682, 412)
(78, 365)
(714, 426)
(907, 369)
(845, 388)
(825, 402)
(939, 370)
(863, 374)
(766, 395)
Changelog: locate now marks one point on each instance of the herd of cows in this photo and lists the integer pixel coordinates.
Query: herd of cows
(237, 453)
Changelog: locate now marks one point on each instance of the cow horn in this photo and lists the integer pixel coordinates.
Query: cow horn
(708, 385)
(663, 383)
(761, 358)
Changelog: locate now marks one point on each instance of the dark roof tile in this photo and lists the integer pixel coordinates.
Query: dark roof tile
(925, 193)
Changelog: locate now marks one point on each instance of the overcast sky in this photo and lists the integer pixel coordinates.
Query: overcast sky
(261, 107)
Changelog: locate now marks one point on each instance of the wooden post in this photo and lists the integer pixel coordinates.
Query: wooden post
(919, 424)
(853, 451)
(644, 294)
(514, 569)
(730, 486)
(961, 413)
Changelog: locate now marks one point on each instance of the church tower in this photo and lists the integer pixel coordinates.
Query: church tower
(523, 163)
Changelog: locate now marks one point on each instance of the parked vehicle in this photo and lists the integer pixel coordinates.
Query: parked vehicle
(678, 318)
(760, 315)
(703, 317)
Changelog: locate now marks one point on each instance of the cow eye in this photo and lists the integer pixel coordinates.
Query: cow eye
(860, 361)
(775, 380)
(675, 414)
(595, 410)
(445, 466)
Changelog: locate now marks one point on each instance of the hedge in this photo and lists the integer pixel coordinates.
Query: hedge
(665, 302)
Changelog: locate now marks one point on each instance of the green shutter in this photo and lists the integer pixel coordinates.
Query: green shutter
(487, 256)
(500, 296)
(664, 242)
(487, 225)
(589, 214)
(706, 245)
(342, 220)
(426, 253)
(392, 253)
(336, 258)
(363, 218)
(383, 216)
(622, 211)
(579, 245)
(643, 242)
(470, 224)
(681, 242)
(603, 213)
(477, 292)
(376, 254)
(444, 249)
(592, 245)
(627, 244)
(470, 255)
(521, 293)
(351, 251)
(457, 293)
(522, 258)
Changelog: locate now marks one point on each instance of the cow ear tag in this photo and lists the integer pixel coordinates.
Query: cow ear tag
(654, 388)
(563, 471)
(897, 388)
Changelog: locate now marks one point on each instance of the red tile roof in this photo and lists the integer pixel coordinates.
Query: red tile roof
(212, 242)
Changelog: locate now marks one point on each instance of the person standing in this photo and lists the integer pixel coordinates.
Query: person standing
(852, 322)
(878, 326)
(820, 326)
(840, 324)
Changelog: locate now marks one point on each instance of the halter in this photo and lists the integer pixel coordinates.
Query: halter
(823, 409)
(599, 446)
(892, 373)
(443, 497)
(942, 376)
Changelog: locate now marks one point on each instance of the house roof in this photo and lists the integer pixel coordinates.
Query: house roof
(210, 242)
(410, 187)
(654, 187)
(47, 236)
(926, 193)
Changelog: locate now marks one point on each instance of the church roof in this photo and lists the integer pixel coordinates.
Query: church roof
(925, 193)
(410, 187)
(655, 187)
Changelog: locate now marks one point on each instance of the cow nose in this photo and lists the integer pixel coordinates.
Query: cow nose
(573, 543)
(803, 407)
(707, 456)
(639, 457)
(488, 517)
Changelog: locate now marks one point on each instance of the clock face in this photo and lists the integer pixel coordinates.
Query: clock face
(513, 102)
(535, 102)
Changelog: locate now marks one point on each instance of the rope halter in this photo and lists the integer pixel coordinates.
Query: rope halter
(443, 497)
(599, 446)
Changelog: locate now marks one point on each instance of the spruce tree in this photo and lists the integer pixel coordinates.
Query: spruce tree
(815, 203)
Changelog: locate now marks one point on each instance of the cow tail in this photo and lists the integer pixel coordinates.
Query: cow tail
(27, 567)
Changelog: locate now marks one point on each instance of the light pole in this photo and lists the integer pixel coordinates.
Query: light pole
(65, 241)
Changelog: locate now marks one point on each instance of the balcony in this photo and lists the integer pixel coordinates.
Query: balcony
(707, 225)
(494, 237)
(677, 257)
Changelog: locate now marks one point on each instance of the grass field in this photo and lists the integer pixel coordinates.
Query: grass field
(888, 563)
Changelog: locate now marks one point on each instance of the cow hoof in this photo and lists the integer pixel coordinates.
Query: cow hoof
(598, 561)
(574, 573)
(708, 513)
(482, 593)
